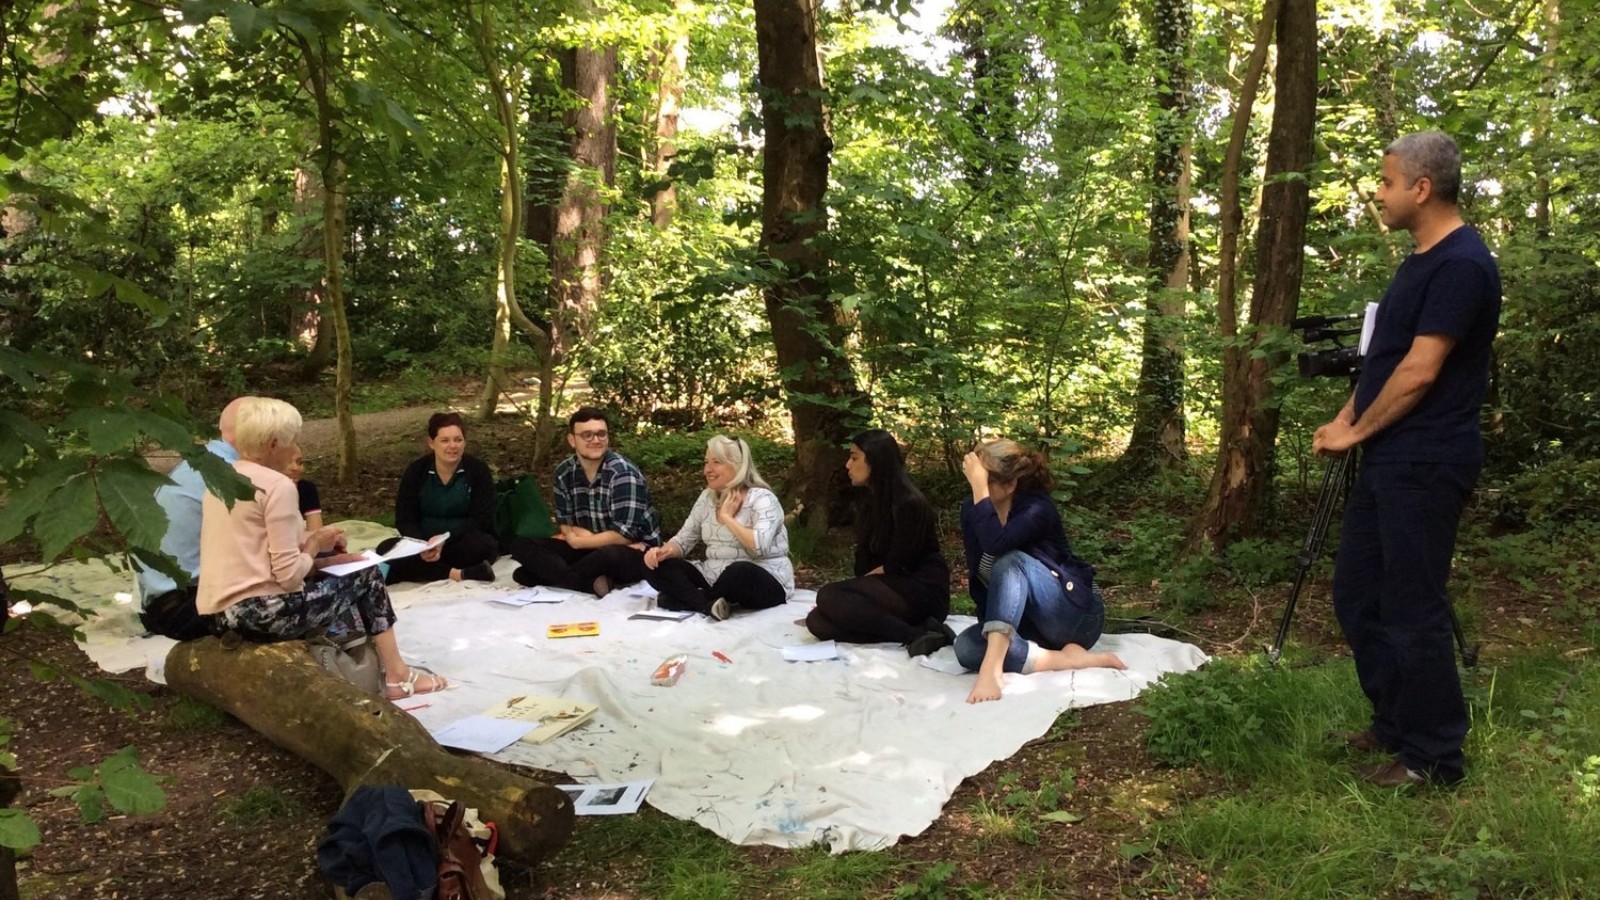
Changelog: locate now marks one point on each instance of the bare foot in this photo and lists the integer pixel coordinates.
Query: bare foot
(987, 688)
(455, 574)
(1073, 656)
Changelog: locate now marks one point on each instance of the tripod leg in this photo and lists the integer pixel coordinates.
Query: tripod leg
(1334, 480)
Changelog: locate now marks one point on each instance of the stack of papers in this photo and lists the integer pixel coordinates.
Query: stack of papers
(548, 717)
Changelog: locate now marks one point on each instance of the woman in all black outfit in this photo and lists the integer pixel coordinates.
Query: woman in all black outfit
(446, 490)
(901, 591)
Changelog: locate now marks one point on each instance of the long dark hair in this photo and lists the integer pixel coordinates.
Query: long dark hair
(887, 485)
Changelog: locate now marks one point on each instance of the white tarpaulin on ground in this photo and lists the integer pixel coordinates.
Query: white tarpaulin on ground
(854, 751)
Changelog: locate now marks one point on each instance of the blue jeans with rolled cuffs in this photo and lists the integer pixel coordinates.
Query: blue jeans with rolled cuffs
(1026, 601)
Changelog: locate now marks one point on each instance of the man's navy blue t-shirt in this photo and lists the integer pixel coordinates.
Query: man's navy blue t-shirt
(1453, 289)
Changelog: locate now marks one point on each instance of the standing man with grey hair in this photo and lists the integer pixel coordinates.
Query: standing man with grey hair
(1415, 414)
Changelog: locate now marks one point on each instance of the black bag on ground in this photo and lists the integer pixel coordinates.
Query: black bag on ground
(174, 615)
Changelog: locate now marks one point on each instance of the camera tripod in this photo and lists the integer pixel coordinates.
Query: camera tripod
(1337, 480)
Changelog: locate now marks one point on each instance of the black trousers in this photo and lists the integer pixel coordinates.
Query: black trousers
(553, 563)
(876, 608)
(460, 551)
(743, 584)
(1389, 595)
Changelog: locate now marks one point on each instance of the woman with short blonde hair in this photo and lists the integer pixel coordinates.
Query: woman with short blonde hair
(259, 566)
(740, 521)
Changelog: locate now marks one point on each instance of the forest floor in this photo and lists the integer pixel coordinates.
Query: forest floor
(243, 816)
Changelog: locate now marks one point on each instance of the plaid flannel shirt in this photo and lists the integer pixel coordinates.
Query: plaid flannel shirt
(617, 500)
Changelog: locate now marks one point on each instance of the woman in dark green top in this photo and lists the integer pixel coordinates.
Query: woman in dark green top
(446, 490)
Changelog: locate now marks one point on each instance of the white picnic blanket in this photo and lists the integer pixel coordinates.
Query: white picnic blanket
(854, 752)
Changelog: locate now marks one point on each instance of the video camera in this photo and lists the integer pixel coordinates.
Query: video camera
(1337, 361)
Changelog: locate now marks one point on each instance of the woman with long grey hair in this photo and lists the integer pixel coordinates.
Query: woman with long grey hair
(740, 521)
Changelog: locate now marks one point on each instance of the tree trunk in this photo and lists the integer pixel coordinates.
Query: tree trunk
(579, 236)
(507, 309)
(320, 64)
(1242, 479)
(673, 55)
(280, 691)
(808, 328)
(1158, 428)
(308, 328)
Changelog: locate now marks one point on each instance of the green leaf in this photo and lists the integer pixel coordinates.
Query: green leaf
(247, 23)
(18, 367)
(130, 788)
(220, 477)
(91, 802)
(73, 511)
(38, 487)
(128, 493)
(148, 558)
(24, 429)
(1062, 816)
(111, 693)
(42, 597)
(17, 831)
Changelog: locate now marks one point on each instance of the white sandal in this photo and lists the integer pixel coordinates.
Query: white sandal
(408, 687)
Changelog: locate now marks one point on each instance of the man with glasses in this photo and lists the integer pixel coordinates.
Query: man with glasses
(604, 516)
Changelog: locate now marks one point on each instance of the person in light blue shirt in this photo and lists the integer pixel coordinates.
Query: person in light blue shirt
(165, 607)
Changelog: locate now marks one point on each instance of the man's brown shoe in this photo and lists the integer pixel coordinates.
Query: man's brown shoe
(1360, 741)
(1391, 774)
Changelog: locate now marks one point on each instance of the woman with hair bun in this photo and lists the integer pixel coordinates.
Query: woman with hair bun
(901, 592)
(446, 489)
(1038, 609)
(740, 521)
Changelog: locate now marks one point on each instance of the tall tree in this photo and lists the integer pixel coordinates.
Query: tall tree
(1158, 426)
(670, 60)
(808, 327)
(1242, 477)
(578, 239)
(503, 84)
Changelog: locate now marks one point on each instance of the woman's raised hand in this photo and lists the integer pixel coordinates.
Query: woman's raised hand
(972, 467)
(732, 502)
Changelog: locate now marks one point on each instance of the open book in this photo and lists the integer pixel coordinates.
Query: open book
(554, 715)
(406, 547)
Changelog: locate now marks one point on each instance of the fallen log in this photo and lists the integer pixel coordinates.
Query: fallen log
(360, 738)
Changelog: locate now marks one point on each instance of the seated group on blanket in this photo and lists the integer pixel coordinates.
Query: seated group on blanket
(1037, 606)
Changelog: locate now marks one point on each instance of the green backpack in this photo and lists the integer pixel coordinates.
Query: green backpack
(520, 511)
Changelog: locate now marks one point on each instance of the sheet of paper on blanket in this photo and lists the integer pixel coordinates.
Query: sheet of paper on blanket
(668, 615)
(530, 595)
(369, 558)
(607, 799)
(822, 650)
(483, 734)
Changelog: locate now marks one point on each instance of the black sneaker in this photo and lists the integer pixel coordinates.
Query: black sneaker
(478, 572)
(929, 642)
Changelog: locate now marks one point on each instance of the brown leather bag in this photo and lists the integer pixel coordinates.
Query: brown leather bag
(460, 863)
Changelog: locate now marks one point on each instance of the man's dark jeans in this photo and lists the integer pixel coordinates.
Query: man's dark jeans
(1389, 595)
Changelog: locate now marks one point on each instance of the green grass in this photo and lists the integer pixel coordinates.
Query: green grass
(259, 806)
(189, 714)
(1292, 822)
